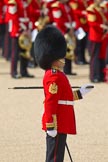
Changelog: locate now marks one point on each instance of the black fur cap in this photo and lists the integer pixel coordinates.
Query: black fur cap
(49, 45)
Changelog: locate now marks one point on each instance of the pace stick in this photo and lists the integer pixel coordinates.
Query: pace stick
(69, 153)
(40, 87)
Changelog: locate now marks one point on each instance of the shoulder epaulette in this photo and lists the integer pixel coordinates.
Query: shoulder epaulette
(11, 2)
(55, 4)
(91, 7)
(74, 5)
(91, 17)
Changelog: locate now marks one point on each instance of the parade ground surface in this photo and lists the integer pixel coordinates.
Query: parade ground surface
(21, 137)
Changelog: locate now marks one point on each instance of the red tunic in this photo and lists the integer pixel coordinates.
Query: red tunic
(18, 10)
(79, 10)
(102, 53)
(62, 15)
(2, 11)
(47, 9)
(103, 50)
(33, 12)
(95, 19)
(56, 88)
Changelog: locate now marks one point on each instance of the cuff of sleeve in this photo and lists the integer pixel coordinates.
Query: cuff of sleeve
(50, 126)
(77, 95)
(53, 124)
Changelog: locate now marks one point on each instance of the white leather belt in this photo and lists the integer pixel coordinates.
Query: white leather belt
(65, 102)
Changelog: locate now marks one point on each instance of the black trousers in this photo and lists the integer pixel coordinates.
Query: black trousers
(68, 66)
(55, 148)
(96, 64)
(23, 66)
(80, 49)
(16, 57)
(7, 50)
(2, 35)
(33, 55)
(106, 61)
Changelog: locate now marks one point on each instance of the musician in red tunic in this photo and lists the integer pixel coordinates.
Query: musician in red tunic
(20, 21)
(79, 10)
(96, 20)
(58, 118)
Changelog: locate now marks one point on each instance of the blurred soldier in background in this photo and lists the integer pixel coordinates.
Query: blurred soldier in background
(34, 13)
(46, 14)
(21, 26)
(104, 48)
(63, 19)
(97, 22)
(81, 29)
(8, 38)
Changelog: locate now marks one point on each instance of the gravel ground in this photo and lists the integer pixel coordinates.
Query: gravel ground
(21, 137)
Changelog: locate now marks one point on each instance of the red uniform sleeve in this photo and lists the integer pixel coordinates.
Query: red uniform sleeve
(51, 90)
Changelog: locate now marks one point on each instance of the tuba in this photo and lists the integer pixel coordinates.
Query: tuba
(25, 45)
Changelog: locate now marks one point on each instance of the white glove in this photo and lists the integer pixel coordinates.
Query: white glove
(86, 88)
(52, 133)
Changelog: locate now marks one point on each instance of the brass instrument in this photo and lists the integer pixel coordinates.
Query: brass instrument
(25, 45)
(71, 43)
(42, 22)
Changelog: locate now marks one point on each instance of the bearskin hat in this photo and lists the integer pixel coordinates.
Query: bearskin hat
(49, 45)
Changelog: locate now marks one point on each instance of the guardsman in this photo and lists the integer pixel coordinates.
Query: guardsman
(14, 33)
(20, 22)
(96, 21)
(7, 38)
(30, 14)
(34, 13)
(58, 119)
(81, 29)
